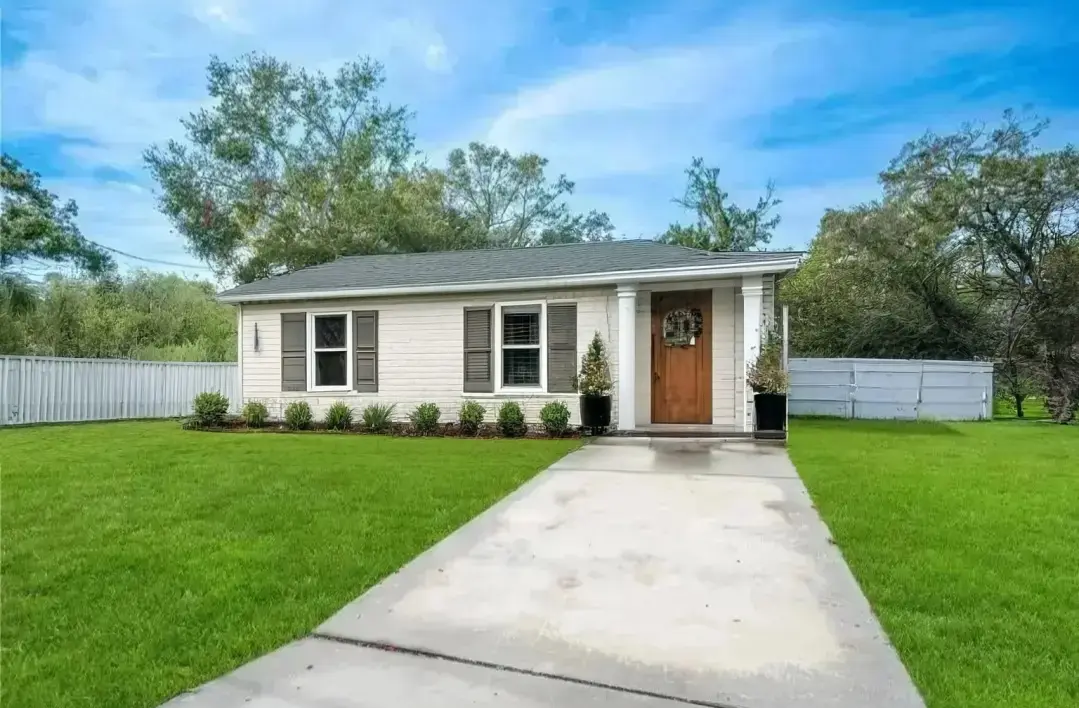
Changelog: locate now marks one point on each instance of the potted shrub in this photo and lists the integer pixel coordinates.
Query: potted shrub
(594, 386)
(770, 383)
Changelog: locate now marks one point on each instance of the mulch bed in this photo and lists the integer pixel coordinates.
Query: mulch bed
(401, 430)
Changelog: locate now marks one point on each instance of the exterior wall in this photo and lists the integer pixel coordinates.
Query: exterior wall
(420, 355)
(420, 351)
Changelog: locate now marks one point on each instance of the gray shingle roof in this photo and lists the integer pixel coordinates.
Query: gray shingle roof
(493, 265)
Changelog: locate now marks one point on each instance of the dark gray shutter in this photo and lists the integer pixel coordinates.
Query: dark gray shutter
(479, 372)
(294, 351)
(562, 347)
(365, 338)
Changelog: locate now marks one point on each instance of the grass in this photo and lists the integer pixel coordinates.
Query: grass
(965, 538)
(140, 560)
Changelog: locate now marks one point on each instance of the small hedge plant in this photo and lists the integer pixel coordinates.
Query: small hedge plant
(471, 417)
(511, 420)
(425, 418)
(298, 415)
(377, 417)
(555, 418)
(255, 414)
(339, 416)
(210, 408)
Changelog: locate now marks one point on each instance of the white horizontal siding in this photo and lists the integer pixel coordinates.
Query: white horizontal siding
(420, 356)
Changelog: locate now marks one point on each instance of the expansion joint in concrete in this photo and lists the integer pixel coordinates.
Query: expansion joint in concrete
(427, 654)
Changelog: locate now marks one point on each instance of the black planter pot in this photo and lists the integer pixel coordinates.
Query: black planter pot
(771, 409)
(595, 412)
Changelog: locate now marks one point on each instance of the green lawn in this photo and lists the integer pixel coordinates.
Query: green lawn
(965, 538)
(140, 560)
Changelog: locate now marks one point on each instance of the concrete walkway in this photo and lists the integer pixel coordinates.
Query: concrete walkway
(637, 574)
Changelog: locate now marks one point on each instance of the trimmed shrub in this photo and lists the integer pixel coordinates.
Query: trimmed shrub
(211, 408)
(555, 418)
(377, 417)
(471, 417)
(425, 418)
(255, 414)
(511, 420)
(339, 416)
(298, 415)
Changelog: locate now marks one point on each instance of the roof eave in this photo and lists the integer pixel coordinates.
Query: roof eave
(642, 277)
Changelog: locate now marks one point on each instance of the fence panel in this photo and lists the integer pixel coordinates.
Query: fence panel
(892, 388)
(36, 389)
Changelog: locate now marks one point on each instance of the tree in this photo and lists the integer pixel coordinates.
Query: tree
(721, 225)
(1015, 210)
(144, 315)
(509, 201)
(35, 227)
(579, 228)
(881, 282)
(971, 252)
(288, 168)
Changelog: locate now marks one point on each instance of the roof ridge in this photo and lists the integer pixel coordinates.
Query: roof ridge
(495, 249)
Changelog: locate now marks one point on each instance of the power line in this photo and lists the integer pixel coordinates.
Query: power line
(150, 260)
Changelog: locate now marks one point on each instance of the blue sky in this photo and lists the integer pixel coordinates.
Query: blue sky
(620, 95)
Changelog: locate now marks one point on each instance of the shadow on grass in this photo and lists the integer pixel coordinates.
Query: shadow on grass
(887, 427)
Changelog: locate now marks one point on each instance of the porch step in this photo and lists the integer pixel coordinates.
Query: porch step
(670, 443)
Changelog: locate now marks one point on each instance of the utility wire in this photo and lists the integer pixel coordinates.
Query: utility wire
(149, 260)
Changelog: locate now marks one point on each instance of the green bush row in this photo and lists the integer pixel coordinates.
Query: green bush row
(211, 409)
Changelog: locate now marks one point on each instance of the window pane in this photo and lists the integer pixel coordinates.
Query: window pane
(330, 332)
(520, 327)
(331, 368)
(520, 367)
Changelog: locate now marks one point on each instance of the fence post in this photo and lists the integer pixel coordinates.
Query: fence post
(921, 382)
(852, 391)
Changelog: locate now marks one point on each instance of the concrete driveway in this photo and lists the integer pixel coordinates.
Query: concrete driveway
(629, 573)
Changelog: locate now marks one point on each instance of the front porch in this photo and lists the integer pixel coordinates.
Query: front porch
(691, 383)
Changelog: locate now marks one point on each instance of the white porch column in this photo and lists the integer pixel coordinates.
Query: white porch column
(752, 294)
(627, 346)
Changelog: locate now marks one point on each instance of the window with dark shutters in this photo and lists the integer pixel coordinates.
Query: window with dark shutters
(294, 351)
(478, 375)
(365, 337)
(562, 347)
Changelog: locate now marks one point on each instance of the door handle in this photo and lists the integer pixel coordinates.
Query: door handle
(655, 376)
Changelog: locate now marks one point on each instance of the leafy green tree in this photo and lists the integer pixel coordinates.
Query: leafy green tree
(35, 230)
(721, 225)
(973, 251)
(509, 201)
(34, 226)
(1014, 209)
(879, 282)
(286, 169)
(144, 315)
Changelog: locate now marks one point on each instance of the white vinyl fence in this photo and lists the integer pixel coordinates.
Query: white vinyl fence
(892, 388)
(38, 389)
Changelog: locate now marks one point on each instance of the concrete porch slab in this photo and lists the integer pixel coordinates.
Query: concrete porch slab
(686, 456)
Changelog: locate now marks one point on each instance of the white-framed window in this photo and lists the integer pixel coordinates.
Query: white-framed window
(329, 351)
(520, 339)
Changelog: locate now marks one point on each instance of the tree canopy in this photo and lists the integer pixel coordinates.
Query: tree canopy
(289, 168)
(721, 225)
(144, 315)
(34, 226)
(971, 252)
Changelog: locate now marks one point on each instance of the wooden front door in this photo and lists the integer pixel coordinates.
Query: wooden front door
(682, 359)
